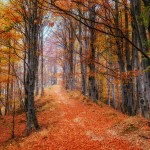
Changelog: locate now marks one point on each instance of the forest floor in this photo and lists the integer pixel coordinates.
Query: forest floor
(70, 121)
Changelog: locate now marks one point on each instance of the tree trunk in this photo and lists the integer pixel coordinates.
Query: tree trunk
(13, 115)
(82, 64)
(129, 83)
(71, 52)
(7, 88)
(121, 59)
(31, 38)
(144, 86)
(37, 84)
(93, 89)
(42, 63)
(0, 91)
(113, 95)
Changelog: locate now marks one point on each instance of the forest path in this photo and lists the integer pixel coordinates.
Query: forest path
(70, 121)
(82, 125)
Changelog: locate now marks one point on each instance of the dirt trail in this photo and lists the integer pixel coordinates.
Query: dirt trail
(71, 124)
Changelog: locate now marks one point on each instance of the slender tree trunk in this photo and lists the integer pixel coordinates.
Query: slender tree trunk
(93, 89)
(13, 115)
(113, 95)
(71, 56)
(7, 88)
(121, 62)
(37, 84)
(82, 65)
(0, 91)
(129, 83)
(20, 95)
(42, 64)
(108, 85)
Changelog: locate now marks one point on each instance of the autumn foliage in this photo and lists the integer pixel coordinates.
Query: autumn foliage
(99, 48)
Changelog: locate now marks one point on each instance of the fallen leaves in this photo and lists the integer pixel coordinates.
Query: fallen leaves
(69, 124)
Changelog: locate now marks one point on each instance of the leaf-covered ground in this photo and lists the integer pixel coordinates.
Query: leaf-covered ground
(69, 121)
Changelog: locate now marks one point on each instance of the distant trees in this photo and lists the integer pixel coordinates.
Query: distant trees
(112, 48)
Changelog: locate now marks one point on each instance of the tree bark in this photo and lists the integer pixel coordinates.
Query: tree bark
(8, 87)
(143, 80)
(82, 64)
(42, 63)
(93, 89)
(121, 59)
(31, 38)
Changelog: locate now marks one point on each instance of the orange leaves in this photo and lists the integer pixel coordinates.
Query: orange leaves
(35, 21)
(9, 40)
(73, 123)
(51, 24)
(16, 19)
(63, 4)
(130, 74)
(66, 4)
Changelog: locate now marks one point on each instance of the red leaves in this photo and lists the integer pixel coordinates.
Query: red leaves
(68, 123)
(51, 24)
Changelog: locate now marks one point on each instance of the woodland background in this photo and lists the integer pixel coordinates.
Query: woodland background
(99, 47)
